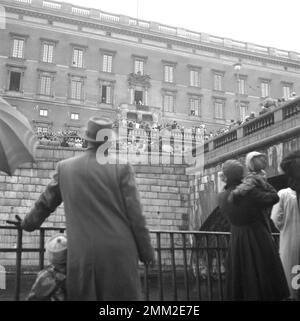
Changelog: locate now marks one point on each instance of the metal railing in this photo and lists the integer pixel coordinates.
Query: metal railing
(189, 265)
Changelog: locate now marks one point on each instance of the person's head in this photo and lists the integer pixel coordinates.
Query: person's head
(94, 127)
(56, 250)
(232, 172)
(290, 165)
(256, 161)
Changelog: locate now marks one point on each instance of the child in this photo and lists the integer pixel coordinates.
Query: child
(50, 282)
(256, 164)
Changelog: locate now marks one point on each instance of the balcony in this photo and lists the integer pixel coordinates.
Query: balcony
(271, 127)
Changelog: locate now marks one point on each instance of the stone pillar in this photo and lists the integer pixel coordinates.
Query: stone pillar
(124, 20)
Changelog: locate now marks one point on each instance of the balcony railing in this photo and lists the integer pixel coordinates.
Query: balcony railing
(291, 110)
(288, 110)
(225, 139)
(259, 124)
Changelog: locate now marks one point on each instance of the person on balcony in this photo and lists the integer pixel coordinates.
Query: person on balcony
(106, 229)
(286, 217)
(253, 268)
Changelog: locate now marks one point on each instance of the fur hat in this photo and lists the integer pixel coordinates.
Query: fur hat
(56, 249)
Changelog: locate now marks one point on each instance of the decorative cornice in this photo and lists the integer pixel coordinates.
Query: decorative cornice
(19, 35)
(193, 67)
(130, 30)
(194, 94)
(15, 66)
(77, 45)
(166, 90)
(169, 63)
(217, 71)
(139, 57)
(140, 80)
(108, 51)
(46, 70)
(219, 98)
(49, 40)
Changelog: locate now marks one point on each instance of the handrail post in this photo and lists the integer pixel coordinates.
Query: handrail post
(41, 249)
(18, 264)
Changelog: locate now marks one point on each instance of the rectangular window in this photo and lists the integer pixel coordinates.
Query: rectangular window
(76, 89)
(286, 91)
(265, 89)
(194, 78)
(241, 86)
(44, 112)
(139, 66)
(168, 73)
(218, 82)
(107, 63)
(169, 103)
(48, 53)
(15, 81)
(219, 112)
(18, 48)
(77, 58)
(195, 106)
(106, 94)
(74, 116)
(243, 112)
(45, 85)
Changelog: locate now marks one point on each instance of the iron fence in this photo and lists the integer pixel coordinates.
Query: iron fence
(190, 265)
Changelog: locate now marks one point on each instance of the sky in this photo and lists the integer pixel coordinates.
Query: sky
(271, 23)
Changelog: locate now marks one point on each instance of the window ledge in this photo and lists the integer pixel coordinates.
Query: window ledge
(195, 87)
(219, 91)
(75, 101)
(14, 93)
(17, 59)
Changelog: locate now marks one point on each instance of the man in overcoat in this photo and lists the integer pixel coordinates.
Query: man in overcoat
(105, 227)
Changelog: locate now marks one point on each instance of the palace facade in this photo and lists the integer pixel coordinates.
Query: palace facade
(61, 64)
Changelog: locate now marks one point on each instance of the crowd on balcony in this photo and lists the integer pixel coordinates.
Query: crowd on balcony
(136, 143)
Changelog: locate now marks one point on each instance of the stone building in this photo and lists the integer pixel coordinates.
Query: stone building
(61, 64)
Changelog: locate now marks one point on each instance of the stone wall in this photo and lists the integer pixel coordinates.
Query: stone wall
(163, 189)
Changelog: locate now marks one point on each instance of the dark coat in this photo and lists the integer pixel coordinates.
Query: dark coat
(253, 270)
(106, 230)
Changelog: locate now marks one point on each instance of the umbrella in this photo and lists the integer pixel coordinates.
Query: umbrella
(17, 139)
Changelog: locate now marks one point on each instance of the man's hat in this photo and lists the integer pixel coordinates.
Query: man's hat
(94, 125)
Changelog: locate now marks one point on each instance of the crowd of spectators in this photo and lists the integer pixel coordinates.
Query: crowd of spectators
(67, 138)
(138, 143)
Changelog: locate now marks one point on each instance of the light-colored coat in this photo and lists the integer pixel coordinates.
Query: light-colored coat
(286, 217)
(106, 230)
